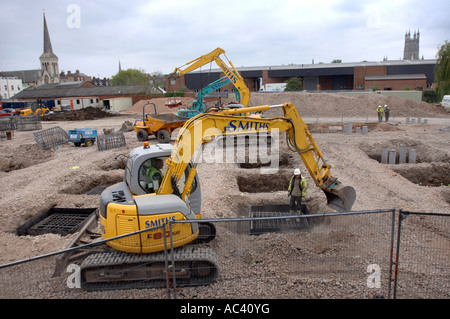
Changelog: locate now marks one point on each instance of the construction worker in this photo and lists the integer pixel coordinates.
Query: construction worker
(380, 112)
(155, 174)
(387, 111)
(296, 191)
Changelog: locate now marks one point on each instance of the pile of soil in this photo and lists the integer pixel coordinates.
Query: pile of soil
(314, 104)
(337, 104)
(89, 113)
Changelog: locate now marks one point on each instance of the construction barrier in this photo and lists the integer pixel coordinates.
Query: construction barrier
(28, 123)
(331, 256)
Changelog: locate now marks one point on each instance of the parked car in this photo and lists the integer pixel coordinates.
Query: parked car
(12, 111)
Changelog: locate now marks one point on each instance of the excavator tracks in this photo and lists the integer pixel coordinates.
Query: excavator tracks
(120, 270)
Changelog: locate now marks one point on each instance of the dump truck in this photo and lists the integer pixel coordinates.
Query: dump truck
(161, 125)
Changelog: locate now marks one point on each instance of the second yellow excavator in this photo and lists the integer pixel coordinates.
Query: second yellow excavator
(140, 202)
(230, 72)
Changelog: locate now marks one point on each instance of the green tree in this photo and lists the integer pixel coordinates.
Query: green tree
(442, 71)
(131, 77)
(294, 84)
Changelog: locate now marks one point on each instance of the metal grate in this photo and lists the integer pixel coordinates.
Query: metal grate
(7, 124)
(28, 123)
(110, 141)
(97, 190)
(61, 221)
(275, 219)
(51, 137)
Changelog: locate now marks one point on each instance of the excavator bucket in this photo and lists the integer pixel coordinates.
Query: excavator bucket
(341, 197)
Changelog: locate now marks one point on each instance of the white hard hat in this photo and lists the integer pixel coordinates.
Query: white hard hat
(385, 105)
(297, 171)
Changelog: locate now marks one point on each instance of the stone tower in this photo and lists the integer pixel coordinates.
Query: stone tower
(411, 51)
(49, 61)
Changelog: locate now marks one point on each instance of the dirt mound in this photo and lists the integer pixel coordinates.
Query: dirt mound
(89, 113)
(23, 156)
(337, 104)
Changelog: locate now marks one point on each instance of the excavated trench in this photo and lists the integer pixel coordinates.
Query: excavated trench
(92, 185)
(429, 167)
(432, 175)
(260, 183)
(23, 156)
(424, 153)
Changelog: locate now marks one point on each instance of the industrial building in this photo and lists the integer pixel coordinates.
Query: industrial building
(384, 75)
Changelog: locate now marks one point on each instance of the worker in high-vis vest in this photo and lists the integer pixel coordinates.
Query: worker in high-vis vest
(296, 191)
(155, 175)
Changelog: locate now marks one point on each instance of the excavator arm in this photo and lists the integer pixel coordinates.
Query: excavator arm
(230, 72)
(197, 105)
(202, 128)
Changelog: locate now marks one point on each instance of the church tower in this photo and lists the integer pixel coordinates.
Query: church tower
(411, 51)
(49, 61)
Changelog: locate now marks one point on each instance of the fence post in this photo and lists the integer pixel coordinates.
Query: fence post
(172, 268)
(166, 260)
(401, 216)
(392, 252)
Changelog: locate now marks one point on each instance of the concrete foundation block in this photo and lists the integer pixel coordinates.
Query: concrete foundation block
(384, 155)
(412, 156)
(392, 156)
(402, 155)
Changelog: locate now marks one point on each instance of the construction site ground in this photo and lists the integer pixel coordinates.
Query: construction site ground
(34, 180)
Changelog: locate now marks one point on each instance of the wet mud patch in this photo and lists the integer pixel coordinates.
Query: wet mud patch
(23, 156)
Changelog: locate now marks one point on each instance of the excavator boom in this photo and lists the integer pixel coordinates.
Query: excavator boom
(230, 72)
(204, 127)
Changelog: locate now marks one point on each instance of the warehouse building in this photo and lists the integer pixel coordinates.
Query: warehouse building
(384, 75)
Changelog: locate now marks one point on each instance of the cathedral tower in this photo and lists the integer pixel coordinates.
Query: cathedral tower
(411, 51)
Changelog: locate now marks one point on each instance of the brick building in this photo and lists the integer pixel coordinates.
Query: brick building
(384, 75)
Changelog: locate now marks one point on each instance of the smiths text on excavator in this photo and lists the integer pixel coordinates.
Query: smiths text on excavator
(142, 200)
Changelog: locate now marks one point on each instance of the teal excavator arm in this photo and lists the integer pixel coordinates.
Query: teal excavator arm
(197, 106)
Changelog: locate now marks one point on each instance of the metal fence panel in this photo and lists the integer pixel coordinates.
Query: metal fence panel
(423, 256)
(335, 256)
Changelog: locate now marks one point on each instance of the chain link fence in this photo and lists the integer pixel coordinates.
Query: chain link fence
(320, 256)
(421, 269)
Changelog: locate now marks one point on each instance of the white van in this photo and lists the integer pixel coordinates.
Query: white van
(446, 103)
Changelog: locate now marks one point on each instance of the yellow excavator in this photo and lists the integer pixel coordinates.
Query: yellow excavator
(140, 202)
(230, 72)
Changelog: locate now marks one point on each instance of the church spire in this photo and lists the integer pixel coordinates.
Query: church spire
(48, 50)
(49, 61)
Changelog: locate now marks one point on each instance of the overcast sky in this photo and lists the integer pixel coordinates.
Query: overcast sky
(159, 35)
